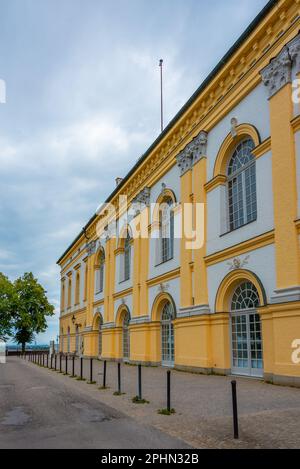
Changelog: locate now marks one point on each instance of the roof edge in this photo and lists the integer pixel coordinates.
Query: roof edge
(257, 20)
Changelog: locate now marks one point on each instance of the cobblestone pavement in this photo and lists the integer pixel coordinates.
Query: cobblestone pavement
(268, 415)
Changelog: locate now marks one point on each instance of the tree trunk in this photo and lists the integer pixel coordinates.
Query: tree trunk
(23, 347)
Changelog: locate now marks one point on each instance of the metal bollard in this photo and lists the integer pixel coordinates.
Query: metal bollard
(169, 391)
(60, 360)
(235, 411)
(104, 374)
(91, 370)
(140, 382)
(47, 357)
(51, 361)
(73, 366)
(66, 370)
(55, 360)
(81, 366)
(119, 378)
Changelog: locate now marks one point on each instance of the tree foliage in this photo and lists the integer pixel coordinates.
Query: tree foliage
(24, 308)
(7, 301)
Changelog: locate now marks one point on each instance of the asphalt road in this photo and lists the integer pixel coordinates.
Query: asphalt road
(39, 409)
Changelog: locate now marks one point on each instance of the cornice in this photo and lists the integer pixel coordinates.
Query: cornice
(264, 239)
(123, 293)
(295, 123)
(164, 278)
(238, 76)
(263, 148)
(217, 181)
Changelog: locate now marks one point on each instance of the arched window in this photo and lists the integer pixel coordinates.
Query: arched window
(101, 271)
(166, 232)
(246, 331)
(242, 203)
(167, 335)
(127, 257)
(77, 289)
(126, 336)
(245, 297)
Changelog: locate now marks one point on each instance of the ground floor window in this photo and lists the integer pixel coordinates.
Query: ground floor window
(126, 336)
(167, 335)
(246, 332)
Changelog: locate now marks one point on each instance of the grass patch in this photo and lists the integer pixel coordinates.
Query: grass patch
(137, 400)
(117, 393)
(80, 379)
(66, 374)
(102, 388)
(70, 376)
(166, 412)
(91, 382)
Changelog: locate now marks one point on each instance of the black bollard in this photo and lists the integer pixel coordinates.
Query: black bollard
(73, 366)
(51, 361)
(81, 366)
(66, 364)
(119, 378)
(60, 359)
(169, 391)
(47, 356)
(104, 374)
(91, 370)
(55, 360)
(140, 382)
(43, 359)
(235, 411)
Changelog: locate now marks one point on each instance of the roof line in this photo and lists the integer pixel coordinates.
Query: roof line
(261, 15)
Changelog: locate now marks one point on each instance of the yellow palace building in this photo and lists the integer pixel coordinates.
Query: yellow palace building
(229, 304)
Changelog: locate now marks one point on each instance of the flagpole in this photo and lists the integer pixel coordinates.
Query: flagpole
(161, 96)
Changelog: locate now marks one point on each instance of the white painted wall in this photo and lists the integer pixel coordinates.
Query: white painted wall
(261, 262)
(217, 211)
(173, 290)
(128, 302)
(254, 110)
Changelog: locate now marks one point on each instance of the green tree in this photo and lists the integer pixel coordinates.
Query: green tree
(7, 303)
(24, 336)
(32, 309)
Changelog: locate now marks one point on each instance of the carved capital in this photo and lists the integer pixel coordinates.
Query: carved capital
(278, 73)
(91, 248)
(192, 153)
(184, 161)
(294, 51)
(143, 198)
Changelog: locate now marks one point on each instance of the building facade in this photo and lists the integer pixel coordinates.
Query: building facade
(231, 159)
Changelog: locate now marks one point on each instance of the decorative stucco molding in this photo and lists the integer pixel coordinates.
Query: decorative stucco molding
(91, 248)
(142, 200)
(294, 51)
(278, 73)
(192, 153)
(238, 263)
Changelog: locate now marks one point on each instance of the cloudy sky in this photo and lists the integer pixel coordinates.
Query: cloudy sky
(82, 105)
